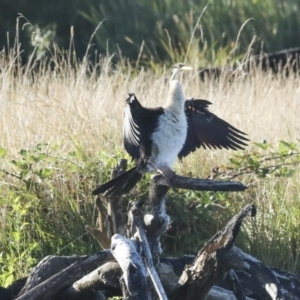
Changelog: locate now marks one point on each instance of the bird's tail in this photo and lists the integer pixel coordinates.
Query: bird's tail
(121, 184)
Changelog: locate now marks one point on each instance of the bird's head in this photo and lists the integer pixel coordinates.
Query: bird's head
(177, 69)
(131, 98)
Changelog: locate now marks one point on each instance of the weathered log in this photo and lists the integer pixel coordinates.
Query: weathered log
(209, 265)
(235, 285)
(114, 209)
(146, 253)
(198, 184)
(111, 220)
(87, 276)
(103, 278)
(134, 273)
(217, 293)
(264, 282)
(283, 62)
(38, 287)
(172, 268)
(156, 219)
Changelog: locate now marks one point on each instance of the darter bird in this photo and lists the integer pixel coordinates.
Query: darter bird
(155, 137)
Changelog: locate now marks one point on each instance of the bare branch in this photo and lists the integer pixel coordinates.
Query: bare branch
(199, 184)
(46, 289)
(134, 272)
(138, 222)
(210, 263)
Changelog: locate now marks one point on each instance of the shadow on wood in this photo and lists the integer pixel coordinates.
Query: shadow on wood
(211, 263)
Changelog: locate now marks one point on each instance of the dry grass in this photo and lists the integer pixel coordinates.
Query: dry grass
(67, 106)
(57, 107)
(71, 107)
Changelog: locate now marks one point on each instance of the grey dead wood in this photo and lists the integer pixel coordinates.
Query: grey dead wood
(115, 209)
(103, 278)
(137, 217)
(284, 62)
(218, 293)
(134, 275)
(57, 276)
(156, 219)
(49, 266)
(261, 282)
(209, 265)
(198, 184)
(102, 234)
(111, 217)
(36, 288)
(171, 269)
(235, 285)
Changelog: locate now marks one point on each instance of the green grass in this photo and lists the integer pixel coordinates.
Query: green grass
(60, 135)
(148, 33)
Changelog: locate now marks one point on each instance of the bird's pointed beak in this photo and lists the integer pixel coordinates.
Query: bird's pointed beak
(186, 68)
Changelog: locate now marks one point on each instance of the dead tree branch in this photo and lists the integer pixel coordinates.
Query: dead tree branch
(139, 224)
(105, 277)
(111, 218)
(134, 272)
(189, 183)
(99, 276)
(198, 278)
(37, 288)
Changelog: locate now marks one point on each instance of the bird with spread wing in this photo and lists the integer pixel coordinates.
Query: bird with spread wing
(155, 137)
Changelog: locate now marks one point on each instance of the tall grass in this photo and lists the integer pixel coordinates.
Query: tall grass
(155, 31)
(160, 30)
(61, 133)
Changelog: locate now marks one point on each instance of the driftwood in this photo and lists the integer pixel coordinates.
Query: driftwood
(111, 219)
(133, 267)
(197, 184)
(134, 271)
(283, 62)
(172, 268)
(45, 280)
(210, 263)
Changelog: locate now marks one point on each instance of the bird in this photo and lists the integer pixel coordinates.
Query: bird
(155, 137)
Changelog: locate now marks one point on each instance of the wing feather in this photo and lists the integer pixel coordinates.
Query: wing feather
(139, 124)
(131, 134)
(207, 130)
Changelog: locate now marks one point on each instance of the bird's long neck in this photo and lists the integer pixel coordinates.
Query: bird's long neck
(175, 99)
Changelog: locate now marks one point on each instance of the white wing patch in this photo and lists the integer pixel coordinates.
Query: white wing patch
(130, 129)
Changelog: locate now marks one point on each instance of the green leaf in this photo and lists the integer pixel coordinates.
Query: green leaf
(263, 145)
(9, 280)
(235, 162)
(3, 152)
(21, 165)
(290, 147)
(45, 173)
(283, 148)
(284, 172)
(263, 172)
(23, 152)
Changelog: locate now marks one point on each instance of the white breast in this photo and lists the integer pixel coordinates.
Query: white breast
(169, 138)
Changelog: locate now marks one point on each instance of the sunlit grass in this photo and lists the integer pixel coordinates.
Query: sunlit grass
(71, 120)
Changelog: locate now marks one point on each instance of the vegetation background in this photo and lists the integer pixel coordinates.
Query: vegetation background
(152, 30)
(62, 95)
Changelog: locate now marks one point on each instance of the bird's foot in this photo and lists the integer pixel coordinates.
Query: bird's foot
(166, 172)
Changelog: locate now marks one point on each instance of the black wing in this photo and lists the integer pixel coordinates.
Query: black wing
(207, 130)
(139, 124)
